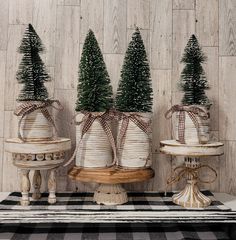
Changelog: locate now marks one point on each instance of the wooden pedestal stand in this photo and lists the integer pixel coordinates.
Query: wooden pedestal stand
(110, 191)
(191, 197)
(42, 155)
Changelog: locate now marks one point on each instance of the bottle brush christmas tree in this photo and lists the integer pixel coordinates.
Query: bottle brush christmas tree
(94, 89)
(32, 72)
(135, 92)
(193, 80)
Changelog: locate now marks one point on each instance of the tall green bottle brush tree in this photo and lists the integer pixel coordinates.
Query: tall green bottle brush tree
(135, 91)
(94, 89)
(32, 71)
(193, 80)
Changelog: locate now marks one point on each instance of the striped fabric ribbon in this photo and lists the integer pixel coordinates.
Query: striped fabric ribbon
(87, 121)
(28, 107)
(193, 112)
(136, 119)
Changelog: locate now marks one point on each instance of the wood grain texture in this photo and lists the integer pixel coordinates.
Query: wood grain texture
(92, 18)
(111, 175)
(71, 2)
(4, 11)
(227, 26)
(138, 14)
(183, 27)
(165, 27)
(112, 60)
(227, 85)
(115, 23)
(228, 168)
(161, 34)
(207, 22)
(13, 58)
(67, 45)
(44, 22)
(212, 69)
(183, 4)
(20, 11)
(161, 83)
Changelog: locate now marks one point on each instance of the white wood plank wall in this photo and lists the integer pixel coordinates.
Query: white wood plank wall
(166, 26)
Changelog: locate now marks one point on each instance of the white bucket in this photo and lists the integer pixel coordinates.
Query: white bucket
(35, 126)
(191, 134)
(95, 150)
(136, 151)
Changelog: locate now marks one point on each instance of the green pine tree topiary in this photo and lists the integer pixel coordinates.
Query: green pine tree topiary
(32, 72)
(135, 91)
(193, 80)
(94, 89)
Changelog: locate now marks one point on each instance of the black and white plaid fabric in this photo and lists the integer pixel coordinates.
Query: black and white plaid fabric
(142, 201)
(125, 231)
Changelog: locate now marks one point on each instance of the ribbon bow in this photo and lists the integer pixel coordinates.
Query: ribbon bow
(137, 119)
(87, 121)
(28, 107)
(193, 111)
(186, 171)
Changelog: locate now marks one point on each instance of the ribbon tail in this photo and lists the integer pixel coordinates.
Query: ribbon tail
(122, 134)
(85, 127)
(181, 127)
(110, 137)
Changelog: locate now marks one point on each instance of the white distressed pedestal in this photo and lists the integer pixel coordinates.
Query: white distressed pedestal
(37, 156)
(191, 197)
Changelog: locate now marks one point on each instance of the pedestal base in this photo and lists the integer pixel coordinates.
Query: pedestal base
(110, 194)
(191, 197)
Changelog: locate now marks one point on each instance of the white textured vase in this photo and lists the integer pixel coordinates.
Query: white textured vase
(191, 135)
(136, 151)
(36, 127)
(94, 150)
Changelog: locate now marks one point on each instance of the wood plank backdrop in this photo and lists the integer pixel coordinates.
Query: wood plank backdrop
(166, 26)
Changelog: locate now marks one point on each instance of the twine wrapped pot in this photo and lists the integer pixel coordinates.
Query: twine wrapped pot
(135, 151)
(94, 149)
(35, 126)
(193, 134)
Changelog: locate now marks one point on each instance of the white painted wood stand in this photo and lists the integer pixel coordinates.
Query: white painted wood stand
(37, 156)
(110, 191)
(190, 196)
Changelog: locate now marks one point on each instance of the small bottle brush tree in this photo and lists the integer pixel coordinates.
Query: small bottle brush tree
(135, 92)
(94, 89)
(32, 72)
(193, 80)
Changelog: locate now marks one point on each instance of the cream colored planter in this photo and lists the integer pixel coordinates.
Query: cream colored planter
(35, 127)
(94, 150)
(136, 150)
(191, 135)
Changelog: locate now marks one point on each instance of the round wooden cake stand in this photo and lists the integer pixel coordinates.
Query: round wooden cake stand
(41, 155)
(191, 197)
(110, 191)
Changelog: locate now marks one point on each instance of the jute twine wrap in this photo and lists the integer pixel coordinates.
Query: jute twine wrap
(134, 140)
(95, 142)
(192, 123)
(184, 171)
(32, 114)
